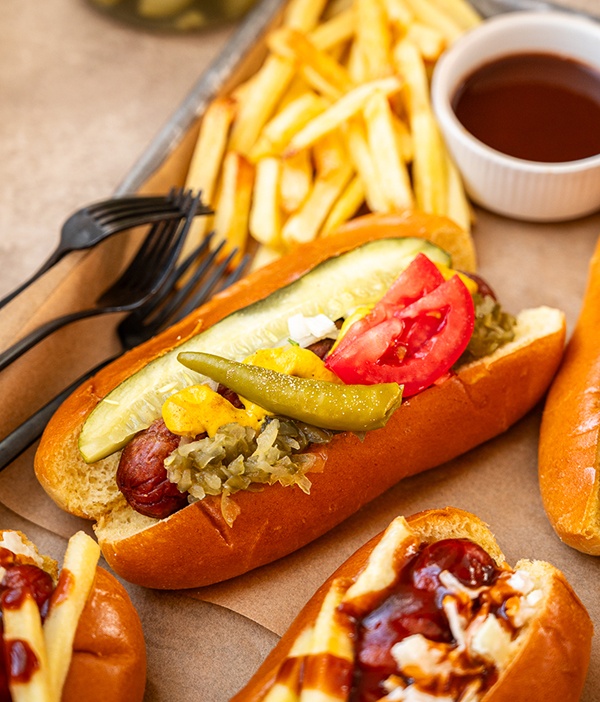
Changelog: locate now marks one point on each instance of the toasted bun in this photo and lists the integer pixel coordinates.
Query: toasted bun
(551, 660)
(108, 663)
(109, 653)
(195, 546)
(569, 458)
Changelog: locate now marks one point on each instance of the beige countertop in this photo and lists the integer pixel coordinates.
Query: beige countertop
(81, 97)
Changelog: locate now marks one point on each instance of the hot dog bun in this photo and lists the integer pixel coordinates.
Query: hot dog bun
(109, 647)
(548, 659)
(194, 546)
(108, 660)
(568, 452)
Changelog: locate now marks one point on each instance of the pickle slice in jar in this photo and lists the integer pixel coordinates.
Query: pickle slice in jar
(335, 288)
(159, 9)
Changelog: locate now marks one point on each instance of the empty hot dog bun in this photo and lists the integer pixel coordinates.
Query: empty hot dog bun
(196, 545)
(568, 451)
(466, 626)
(84, 637)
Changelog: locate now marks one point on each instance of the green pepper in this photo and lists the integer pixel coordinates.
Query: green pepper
(317, 402)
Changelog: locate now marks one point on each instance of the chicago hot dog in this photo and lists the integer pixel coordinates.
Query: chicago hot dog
(569, 472)
(222, 535)
(66, 636)
(429, 611)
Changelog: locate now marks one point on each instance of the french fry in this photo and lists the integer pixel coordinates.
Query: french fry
(428, 40)
(263, 256)
(23, 628)
(332, 639)
(338, 30)
(347, 205)
(373, 38)
(271, 81)
(277, 133)
(260, 101)
(296, 181)
(329, 154)
(342, 110)
(429, 163)
(404, 138)
(382, 568)
(461, 11)
(206, 162)
(265, 214)
(335, 7)
(363, 163)
(304, 14)
(392, 173)
(399, 13)
(357, 64)
(233, 204)
(74, 585)
(429, 13)
(305, 224)
(318, 68)
(458, 207)
(288, 681)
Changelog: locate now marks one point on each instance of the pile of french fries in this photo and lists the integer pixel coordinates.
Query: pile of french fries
(337, 121)
(52, 641)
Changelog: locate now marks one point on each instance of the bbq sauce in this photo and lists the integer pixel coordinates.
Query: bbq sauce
(534, 106)
(414, 606)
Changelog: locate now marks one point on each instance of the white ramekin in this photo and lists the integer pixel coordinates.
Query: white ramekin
(511, 186)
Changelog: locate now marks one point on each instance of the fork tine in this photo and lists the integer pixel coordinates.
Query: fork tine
(176, 300)
(206, 291)
(112, 211)
(152, 264)
(211, 281)
(168, 249)
(177, 274)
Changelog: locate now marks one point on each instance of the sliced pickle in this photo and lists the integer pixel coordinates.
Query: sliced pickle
(334, 288)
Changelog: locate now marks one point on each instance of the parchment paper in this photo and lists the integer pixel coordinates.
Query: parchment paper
(203, 645)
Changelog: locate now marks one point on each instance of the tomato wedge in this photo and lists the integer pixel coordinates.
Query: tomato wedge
(413, 335)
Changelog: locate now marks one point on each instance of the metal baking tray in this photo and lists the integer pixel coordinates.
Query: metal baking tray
(246, 47)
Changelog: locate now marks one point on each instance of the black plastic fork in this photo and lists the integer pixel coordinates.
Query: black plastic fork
(94, 223)
(141, 280)
(164, 309)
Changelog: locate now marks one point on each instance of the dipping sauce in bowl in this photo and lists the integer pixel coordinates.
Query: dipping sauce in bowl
(517, 100)
(534, 106)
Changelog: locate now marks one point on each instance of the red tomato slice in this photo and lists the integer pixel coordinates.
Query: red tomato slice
(414, 334)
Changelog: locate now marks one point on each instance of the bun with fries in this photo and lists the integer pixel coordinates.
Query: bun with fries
(215, 466)
(429, 611)
(569, 436)
(67, 636)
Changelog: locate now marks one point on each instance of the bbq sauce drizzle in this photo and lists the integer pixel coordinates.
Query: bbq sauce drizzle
(413, 605)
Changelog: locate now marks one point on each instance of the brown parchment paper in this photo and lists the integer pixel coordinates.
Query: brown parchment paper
(203, 645)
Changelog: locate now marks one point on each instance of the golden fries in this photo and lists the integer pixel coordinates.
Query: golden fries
(337, 120)
(233, 204)
(50, 644)
(79, 569)
(205, 165)
(23, 629)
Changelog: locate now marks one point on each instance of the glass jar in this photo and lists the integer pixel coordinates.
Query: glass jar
(180, 15)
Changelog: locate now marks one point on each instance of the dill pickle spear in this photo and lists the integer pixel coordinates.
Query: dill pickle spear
(335, 287)
(318, 402)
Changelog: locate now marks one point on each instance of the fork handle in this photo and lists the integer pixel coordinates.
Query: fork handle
(19, 440)
(27, 342)
(53, 259)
